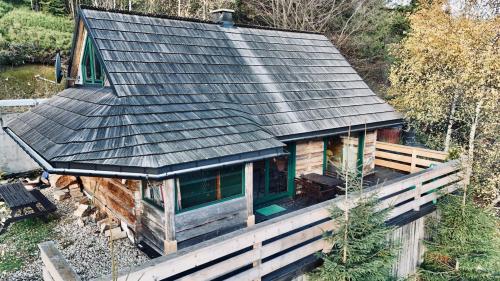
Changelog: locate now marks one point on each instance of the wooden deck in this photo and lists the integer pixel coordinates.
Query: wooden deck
(381, 175)
(258, 251)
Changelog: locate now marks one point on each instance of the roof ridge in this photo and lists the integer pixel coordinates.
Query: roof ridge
(173, 17)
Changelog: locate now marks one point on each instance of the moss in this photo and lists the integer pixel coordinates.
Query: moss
(20, 82)
(19, 243)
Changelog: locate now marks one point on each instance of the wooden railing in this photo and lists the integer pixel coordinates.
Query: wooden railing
(406, 158)
(250, 253)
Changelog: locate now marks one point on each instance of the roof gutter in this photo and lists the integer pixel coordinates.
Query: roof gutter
(343, 130)
(125, 175)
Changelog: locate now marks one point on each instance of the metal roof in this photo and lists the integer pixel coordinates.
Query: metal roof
(189, 91)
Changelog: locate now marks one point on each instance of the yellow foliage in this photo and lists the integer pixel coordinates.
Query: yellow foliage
(445, 57)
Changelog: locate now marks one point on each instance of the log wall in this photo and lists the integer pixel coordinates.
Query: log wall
(309, 157)
(115, 196)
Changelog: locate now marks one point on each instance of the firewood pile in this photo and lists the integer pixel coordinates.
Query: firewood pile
(68, 187)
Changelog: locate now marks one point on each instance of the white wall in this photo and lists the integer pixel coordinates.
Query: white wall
(13, 159)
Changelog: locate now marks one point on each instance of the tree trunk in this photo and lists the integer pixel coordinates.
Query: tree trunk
(470, 153)
(451, 120)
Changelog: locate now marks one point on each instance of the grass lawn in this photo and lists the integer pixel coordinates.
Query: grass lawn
(18, 244)
(20, 82)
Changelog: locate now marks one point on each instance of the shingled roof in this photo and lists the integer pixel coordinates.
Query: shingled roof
(187, 93)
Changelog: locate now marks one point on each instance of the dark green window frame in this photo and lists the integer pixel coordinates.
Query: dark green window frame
(195, 179)
(89, 52)
(291, 147)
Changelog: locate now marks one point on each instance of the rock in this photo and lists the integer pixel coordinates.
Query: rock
(60, 195)
(80, 222)
(85, 201)
(106, 226)
(82, 210)
(65, 181)
(115, 233)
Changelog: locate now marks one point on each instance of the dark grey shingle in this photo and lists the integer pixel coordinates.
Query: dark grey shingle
(187, 91)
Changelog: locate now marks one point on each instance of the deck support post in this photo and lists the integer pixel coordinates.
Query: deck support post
(169, 244)
(418, 194)
(249, 193)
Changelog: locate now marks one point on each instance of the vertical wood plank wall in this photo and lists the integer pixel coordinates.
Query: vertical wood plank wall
(309, 157)
(410, 238)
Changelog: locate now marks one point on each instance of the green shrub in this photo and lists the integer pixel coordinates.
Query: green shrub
(34, 37)
(5, 8)
(463, 245)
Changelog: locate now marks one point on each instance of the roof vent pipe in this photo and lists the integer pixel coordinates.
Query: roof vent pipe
(223, 17)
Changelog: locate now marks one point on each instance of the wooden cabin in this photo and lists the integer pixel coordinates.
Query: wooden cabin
(184, 129)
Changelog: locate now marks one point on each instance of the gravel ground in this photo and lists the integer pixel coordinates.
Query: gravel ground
(86, 250)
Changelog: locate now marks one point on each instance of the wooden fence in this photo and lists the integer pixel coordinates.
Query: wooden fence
(406, 158)
(253, 252)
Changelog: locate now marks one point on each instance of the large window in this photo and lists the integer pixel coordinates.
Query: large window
(201, 188)
(92, 72)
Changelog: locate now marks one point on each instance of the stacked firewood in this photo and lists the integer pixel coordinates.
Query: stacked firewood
(65, 187)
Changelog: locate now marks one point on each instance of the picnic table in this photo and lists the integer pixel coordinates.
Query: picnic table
(23, 204)
(320, 187)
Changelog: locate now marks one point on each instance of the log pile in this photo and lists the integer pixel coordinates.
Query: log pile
(65, 187)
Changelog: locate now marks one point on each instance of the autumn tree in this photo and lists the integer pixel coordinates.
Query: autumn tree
(445, 80)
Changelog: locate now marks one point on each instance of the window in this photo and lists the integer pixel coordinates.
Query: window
(92, 71)
(152, 193)
(201, 188)
(271, 178)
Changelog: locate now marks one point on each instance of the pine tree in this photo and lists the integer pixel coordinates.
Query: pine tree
(54, 7)
(464, 243)
(369, 254)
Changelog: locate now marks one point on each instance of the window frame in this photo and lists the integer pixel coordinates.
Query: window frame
(176, 187)
(183, 210)
(89, 50)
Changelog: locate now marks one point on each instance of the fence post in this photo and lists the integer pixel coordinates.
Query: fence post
(418, 194)
(413, 161)
(258, 262)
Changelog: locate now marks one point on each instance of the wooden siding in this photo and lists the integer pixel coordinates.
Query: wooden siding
(410, 237)
(276, 243)
(368, 155)
(152, 226)
(114, 196)
(77, 52)
(216, 217)
(309, 157)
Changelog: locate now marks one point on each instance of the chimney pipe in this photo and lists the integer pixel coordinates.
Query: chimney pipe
(223, 17)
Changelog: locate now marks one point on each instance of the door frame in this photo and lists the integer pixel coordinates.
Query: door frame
(267, 197)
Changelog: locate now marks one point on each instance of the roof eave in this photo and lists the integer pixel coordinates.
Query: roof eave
(342, 130)
(113, 171)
